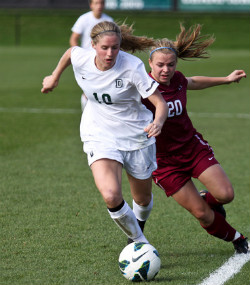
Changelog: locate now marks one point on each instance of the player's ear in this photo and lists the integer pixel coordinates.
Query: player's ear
(92, 44)
(150, 63)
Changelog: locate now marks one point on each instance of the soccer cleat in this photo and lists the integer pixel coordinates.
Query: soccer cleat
(218, 208)
(241, 244)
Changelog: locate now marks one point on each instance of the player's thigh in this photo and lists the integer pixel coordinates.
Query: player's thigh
(217, 183)
(107, 174)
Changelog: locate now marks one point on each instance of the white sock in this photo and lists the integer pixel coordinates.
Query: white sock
(237, 235)
(142, 212)
(126, 221)
(84, 101)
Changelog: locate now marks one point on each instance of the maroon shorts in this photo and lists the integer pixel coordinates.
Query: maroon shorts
(174, 171)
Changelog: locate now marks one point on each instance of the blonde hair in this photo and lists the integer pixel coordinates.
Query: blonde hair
(188, 44)
(128, 42)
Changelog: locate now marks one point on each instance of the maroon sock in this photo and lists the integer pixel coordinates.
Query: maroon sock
(209, 198)
(220, 228)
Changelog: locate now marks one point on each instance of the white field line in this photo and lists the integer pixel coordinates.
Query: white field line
(227, 270)
(76, 111)
(40, 110)
(220, 115)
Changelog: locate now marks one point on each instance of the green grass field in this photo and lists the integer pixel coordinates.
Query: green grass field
(55, 228)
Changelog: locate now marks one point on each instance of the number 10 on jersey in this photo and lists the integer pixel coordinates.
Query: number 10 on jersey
(104, 98)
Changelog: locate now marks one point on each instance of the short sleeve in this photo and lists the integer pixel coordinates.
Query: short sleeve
(79, 25)
(79, 57)
(75, 55)
(145, 85)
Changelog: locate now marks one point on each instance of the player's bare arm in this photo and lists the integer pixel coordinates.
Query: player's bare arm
(202, 82)
(51, 81)
(161, 113)
(74, 39)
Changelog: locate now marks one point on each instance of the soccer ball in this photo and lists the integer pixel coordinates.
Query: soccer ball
(139, 262)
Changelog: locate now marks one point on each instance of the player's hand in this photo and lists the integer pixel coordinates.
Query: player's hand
(236, 76)
(49, 83)
(153, 129)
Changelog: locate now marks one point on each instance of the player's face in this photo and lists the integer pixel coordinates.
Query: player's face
(97, 6)
(163, 66)
(107, 49)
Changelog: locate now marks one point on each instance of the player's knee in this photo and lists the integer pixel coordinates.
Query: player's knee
(143, 200)
(227, 195)
(200, 214)
(203, 214)
(112, 199)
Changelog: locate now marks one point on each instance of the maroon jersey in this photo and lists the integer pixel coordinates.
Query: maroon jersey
(178, 129)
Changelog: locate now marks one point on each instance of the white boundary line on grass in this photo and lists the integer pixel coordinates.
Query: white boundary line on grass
(220, 115)
(76, 111)
(227, 270)
(40, 110)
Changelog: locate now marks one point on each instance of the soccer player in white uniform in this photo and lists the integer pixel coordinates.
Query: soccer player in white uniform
(116, 129)
(82, 29)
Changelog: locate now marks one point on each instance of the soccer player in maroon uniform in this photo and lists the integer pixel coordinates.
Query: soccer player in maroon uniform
(182, 153)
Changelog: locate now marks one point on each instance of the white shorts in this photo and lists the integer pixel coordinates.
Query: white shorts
(138, 163)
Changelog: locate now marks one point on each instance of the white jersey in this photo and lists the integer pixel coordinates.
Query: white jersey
(84, 25)
(114, 114)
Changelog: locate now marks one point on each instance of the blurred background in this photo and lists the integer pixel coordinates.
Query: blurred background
(177, 5)
(49, 22)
